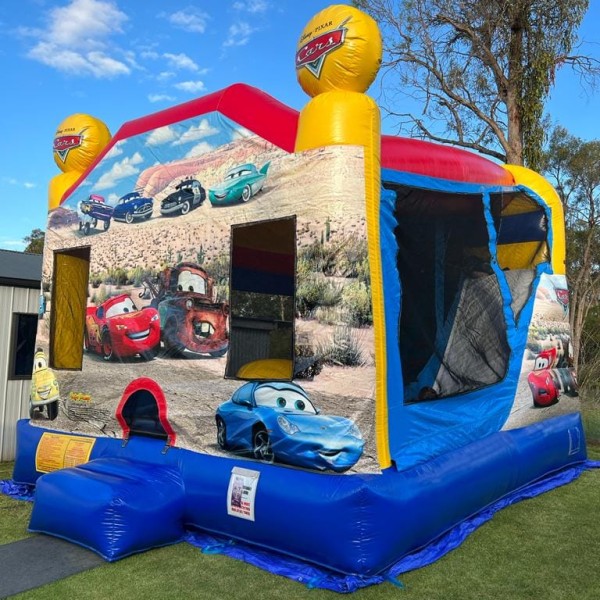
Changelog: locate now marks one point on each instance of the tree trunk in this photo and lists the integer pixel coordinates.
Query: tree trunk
(514, 151)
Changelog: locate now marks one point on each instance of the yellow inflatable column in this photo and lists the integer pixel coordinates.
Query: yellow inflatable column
(78, 141)
(338, 57)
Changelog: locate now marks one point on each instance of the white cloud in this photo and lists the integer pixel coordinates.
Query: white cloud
(12, 181)
(160, 98)
(160, 136)
(241, 133)
(181, 61)
(84, 22)
(189, 19)
(103, 65)
(239, 34)
(199, 149)
(165, 75)
(94, 63)
(116, 150)
(76, 39)
(192, 87)
(202, 130)
(113, 199)
(130, 58)
(120, 170)
(149, 55)
(251, 6)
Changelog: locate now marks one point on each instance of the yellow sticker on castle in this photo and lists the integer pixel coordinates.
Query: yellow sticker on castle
(57, 451)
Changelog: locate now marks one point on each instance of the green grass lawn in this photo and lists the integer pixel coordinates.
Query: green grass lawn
(547, 547)
(14, 516)
(590, 414)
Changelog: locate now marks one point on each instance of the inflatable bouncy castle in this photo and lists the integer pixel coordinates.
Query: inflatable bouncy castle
(293, 333)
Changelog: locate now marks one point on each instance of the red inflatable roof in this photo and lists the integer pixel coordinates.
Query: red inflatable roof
(436, 160)
(262, 114)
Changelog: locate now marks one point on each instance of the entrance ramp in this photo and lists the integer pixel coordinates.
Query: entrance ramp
(113, 506)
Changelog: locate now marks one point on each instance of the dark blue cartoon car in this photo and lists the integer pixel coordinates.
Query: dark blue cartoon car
(277, 421)
(133, 206)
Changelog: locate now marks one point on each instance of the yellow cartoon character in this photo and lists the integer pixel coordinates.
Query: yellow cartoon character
(44, 387)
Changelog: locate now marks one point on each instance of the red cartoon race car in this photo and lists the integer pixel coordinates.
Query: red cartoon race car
(117, 329)
(548, 384)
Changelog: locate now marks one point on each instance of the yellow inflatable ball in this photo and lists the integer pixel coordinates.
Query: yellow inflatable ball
(339, 49)
(78, 141)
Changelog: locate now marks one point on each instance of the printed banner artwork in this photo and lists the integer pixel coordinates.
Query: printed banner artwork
(215, 257)
(548, 383)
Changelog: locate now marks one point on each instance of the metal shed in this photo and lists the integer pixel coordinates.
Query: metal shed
(20, 276)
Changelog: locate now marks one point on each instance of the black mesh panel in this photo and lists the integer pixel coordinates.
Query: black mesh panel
(452, 328)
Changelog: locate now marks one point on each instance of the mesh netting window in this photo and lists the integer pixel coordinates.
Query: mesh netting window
(452, 327)
(521, 236)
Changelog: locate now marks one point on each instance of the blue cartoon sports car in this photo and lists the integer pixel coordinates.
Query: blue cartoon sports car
(277, 421)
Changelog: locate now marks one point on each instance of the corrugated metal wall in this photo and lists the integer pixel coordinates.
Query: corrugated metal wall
(14, 395)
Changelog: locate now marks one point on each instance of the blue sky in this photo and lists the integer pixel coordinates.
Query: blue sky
(119, 60)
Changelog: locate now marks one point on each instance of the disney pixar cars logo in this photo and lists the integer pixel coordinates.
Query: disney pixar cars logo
(312, 55)
(562, 295)
(63, 144)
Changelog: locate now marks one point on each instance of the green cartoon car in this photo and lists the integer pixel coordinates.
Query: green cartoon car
(240, 184)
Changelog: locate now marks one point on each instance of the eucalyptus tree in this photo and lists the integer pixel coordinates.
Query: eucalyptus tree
(477, 73)
(573, 166)
(34, 242)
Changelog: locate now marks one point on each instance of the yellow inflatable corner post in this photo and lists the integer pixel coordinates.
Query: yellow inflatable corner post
(78, 141)
(338, 57)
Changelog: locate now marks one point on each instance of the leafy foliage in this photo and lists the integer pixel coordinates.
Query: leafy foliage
(573, 165)
(333, 281)
(356, 299)
(252, 305)
(35, 242)
(343, 350)
(479, 72)
(314, 291)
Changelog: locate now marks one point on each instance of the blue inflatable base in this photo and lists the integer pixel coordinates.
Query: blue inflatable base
(315, 577)
(359, 529)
